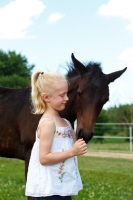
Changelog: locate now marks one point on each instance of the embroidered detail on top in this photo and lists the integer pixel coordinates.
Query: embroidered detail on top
(60, 172)
(61, 168)
(58, 133)
(64, 134)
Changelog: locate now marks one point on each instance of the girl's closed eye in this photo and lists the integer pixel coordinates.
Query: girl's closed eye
(63, 94)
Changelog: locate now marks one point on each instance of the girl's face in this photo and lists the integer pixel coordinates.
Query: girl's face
(59, 97)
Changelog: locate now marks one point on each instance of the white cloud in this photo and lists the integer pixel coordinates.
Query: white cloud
(119, 8)
(17, 16)
(127, 57)
(55, 17)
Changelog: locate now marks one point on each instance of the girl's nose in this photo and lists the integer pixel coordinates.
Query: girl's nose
(66, 98)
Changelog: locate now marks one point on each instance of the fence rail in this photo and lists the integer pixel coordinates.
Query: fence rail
(129, 127)
(130, 137)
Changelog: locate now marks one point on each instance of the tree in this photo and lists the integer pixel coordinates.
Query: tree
(122, 114)
(15, 71)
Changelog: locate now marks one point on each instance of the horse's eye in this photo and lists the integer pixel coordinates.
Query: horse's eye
(79, 93)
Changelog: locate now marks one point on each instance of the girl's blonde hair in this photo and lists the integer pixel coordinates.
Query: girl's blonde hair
(43, 83)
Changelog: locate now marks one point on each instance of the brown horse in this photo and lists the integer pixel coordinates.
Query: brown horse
(88, 92)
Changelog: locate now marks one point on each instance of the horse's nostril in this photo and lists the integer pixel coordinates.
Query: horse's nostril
(80, 134)
(86, 136)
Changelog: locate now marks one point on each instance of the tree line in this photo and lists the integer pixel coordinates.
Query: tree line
(15, 71)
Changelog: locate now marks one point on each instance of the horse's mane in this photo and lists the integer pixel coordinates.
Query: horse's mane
(93, 68)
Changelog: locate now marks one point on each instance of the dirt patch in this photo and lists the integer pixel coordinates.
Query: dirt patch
(110, 155)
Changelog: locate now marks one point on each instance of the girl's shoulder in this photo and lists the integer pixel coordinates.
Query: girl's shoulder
(47, 120)
(50, 122)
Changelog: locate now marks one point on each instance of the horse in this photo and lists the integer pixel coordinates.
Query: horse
(88, 92)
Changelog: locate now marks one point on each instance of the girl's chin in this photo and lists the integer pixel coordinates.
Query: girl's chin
(60, 109)
(63, 107)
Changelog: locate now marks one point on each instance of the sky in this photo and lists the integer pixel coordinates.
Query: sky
(46, 32)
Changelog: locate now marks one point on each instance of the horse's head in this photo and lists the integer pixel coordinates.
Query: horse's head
(92, 94)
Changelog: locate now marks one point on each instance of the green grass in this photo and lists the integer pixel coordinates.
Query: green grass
(106, 146)
(103, 179)
(106, 179)
(12, 180)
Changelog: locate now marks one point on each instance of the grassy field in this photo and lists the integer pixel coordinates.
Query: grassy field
(115, 147)
(106, 179)
(103, 179)
(110, 146)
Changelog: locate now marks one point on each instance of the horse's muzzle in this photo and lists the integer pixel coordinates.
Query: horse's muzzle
(86, 136)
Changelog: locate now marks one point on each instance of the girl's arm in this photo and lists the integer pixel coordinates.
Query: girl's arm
(47, 130)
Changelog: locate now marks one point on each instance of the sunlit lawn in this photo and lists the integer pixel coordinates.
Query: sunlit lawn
(115, 147)
(103, 179)
(107, 145)
(106, 179)
(12, 180)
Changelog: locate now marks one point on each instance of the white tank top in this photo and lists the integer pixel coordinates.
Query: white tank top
(56, 179)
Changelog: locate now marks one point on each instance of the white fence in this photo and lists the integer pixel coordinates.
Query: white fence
(130, 137)
(130, 128)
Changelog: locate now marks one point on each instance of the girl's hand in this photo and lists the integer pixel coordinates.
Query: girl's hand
(80, 147)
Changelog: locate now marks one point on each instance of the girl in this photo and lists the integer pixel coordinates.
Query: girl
(53, 172)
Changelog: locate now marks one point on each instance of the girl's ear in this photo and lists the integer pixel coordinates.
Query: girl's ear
(45, 97)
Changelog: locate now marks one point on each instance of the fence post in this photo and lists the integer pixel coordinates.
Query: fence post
(130, 131)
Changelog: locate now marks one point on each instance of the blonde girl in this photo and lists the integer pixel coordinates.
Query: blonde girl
(53, 171)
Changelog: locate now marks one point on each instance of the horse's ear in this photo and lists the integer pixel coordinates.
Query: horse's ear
(79, 67)
(111, 77)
